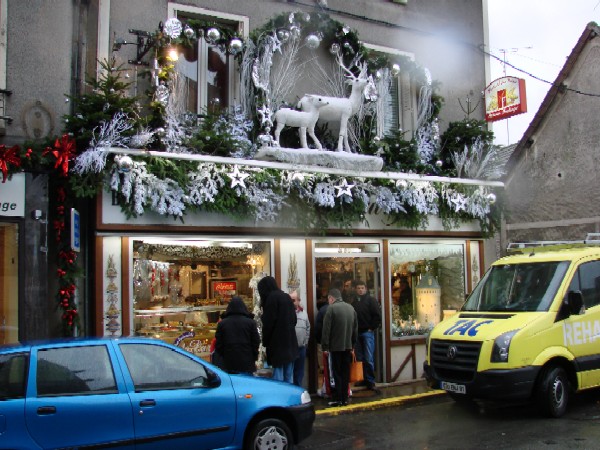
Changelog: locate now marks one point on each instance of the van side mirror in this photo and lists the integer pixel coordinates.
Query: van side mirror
(575, 302)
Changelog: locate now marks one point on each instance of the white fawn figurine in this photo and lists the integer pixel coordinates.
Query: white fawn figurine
(339, 108)
(304, 120)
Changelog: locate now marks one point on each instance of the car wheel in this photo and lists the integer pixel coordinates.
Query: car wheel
(552, 393)
(271, 434)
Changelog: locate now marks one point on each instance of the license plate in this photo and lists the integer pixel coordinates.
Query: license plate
(453, 387)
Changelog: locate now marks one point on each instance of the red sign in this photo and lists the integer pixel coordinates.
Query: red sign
(505, 97)
(225, 289)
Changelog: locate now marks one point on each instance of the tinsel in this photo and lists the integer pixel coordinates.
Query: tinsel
(388, 201)
(204, 184)
(324, 194)
(478, 162)
(238, 127)
(421, 195)
(266, 202)
(110, 134)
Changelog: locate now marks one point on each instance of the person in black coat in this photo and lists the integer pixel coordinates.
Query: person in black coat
(237, 338)
(279, 329)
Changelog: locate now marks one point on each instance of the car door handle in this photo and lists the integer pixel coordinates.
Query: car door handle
(46, 410)
(147, 403)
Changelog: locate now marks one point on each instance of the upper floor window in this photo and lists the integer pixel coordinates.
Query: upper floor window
(209, 71)
(399, 112)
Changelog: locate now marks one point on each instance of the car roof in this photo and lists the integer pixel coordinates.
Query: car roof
(542, 254)
(28, 345)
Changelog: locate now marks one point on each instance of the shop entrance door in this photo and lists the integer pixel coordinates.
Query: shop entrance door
(338, 272)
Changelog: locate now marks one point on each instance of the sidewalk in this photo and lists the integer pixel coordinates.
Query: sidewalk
(392, 394)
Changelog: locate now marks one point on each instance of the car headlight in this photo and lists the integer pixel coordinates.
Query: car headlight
(501, 346)
(305, 397)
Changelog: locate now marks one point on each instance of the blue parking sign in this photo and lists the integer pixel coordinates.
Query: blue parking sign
(75, 230)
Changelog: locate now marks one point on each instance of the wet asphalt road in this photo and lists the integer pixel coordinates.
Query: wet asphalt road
(440, 423)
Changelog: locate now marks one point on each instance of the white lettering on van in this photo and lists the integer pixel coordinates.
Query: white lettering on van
(578, 333)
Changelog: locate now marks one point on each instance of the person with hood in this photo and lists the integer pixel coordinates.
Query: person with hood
(279, 329)
(237, 338)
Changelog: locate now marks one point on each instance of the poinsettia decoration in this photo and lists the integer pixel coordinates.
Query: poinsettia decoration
(63, 151)
(9, 157)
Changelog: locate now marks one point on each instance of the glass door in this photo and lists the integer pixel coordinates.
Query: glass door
(339, 265)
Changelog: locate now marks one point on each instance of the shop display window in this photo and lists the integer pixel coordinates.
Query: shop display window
(427, 284)
(181, 287)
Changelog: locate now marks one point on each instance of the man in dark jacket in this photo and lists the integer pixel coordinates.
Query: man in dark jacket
(340, 330)
(369, 319)
(279, 329)
(237, 338)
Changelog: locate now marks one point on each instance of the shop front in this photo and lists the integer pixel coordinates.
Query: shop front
(173, 282)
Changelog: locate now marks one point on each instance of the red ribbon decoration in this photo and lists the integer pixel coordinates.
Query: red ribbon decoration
(63, 151)
(8, 156)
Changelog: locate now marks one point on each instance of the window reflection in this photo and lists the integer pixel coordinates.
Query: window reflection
(427, 284)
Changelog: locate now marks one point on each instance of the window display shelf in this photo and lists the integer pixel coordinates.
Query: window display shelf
(167, 310)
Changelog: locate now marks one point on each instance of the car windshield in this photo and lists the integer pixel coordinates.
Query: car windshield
(517, 287)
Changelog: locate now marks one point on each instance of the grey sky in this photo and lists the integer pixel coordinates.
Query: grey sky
(551, 28)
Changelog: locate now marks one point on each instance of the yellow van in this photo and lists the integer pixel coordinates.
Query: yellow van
(529, 330)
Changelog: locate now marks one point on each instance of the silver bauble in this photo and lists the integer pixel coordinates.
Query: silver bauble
(189, 32)
(124, 163)
(334, 49)
(160, 131)
(395, 70)
(213, 35)
(439, 163)
(312, 41)
(173, 28)
(235, 46)
(306, 17)
(402, 184)
(283, 35)
(295, 31)
(162, 94)
(376, 139)
(491, 198)
(265, 139)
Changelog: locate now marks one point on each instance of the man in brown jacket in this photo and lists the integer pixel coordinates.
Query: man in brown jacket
(340, 331)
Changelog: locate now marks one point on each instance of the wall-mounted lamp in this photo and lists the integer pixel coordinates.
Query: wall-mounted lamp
(144, 42)
(172, 53)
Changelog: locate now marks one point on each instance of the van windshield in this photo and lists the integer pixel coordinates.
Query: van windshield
(517, 287)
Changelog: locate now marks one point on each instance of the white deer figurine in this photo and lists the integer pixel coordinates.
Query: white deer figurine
(305, 120)
(340, 108)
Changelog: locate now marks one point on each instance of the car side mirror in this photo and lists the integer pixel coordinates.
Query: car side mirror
(572, 305)
(213, 379)
(575, 302)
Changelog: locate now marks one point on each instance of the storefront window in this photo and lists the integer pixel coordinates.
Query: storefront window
(428, 283)
(181, 287)
(9, 283)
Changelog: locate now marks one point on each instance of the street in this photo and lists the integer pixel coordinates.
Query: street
(440, 423)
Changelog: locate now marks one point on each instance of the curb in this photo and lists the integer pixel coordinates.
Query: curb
(377, 404)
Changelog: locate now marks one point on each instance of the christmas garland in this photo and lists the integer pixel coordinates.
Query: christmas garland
(107, 118)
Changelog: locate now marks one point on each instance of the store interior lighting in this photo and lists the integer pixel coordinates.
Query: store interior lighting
(194, 243)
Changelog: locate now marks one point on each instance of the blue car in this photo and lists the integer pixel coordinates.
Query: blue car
(142, 394)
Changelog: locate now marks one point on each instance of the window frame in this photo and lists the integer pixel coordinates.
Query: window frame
(406, 121)
(114, 389)
(178, 11)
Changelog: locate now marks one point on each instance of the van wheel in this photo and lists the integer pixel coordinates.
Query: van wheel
(270, 434)
(552, 392)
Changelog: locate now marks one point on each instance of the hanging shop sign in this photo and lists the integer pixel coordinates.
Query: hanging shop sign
(505, 97)
(12, 196)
